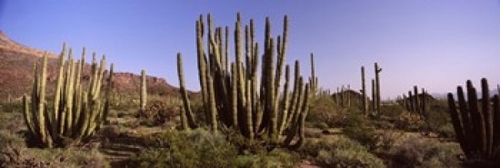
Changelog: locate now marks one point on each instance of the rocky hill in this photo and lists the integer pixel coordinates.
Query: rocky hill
(16, 73)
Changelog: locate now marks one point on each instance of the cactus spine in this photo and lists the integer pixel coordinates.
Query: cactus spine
(231, 92)
(144, 93)
(477, 126)
(78, 109)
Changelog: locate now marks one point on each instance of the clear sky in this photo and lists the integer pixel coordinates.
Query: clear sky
(436, 44)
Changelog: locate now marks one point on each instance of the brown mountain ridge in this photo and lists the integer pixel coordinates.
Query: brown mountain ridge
(16, 73)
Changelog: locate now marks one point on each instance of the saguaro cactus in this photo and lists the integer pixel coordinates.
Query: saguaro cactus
(231, 92)
(144, 92)
(78, 109)
(377, 88)
(477, 126)
(363, 91)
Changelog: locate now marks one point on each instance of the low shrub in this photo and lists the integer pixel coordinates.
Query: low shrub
(275, 158)
(324, 112)
(158, 112)
(361, 129)
(425, 153)
(194, 148)
(14, 154)
(342, 152)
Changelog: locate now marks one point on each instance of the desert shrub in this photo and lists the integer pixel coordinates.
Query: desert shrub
(158, 112)
(194, 148)
(342, 152)
(425, 153)
(409, 122)
(12, 122)
(391, 110)
(15, 154)
(14, 106)
(446, 131)
(360, 129)
(275, 158)
(437, 117)
(324, 112)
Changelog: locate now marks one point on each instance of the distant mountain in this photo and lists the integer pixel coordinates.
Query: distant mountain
(16, 73)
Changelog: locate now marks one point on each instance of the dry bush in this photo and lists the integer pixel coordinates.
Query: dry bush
(158, 112)
(425, 153)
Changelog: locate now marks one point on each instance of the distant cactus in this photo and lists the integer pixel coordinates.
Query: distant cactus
(417, 102)
(78, 109)
(477, 123)
(231, 93)
(376, 99)
(144, 92)
(363, 92)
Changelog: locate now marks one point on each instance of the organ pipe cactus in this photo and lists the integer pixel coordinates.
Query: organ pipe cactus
(232, 94)
(477, 123)
(78, 107)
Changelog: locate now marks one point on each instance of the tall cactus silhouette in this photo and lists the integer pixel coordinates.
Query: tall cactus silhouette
(363, 91)
(477, 126)
(376, 99)
(232, 94)
(78, 108)
(144, 92)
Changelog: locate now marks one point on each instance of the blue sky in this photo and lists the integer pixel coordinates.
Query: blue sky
(433, 44)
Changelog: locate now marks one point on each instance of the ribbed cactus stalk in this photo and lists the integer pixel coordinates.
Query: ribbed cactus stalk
(78, 109)
(144, 92)
(416, 101)
(363, 91)
(377, 88)
(232, 93)
(313, 79)
(424, 103)
(374, 96)
(477, 123)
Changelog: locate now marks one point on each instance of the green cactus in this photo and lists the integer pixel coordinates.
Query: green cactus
(231, 93)
(374, 96)
(144, 93)
(187, 121)
(363, 91)
(477, 126)
(78, 109)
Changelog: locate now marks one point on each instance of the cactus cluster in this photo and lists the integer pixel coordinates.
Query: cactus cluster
(477, 122)
(78, 108)
(375, 103)
(234, 95)
(343, 96)
(376, 89)
(416, 102)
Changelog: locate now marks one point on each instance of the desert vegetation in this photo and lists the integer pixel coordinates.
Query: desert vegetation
(253, 110)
